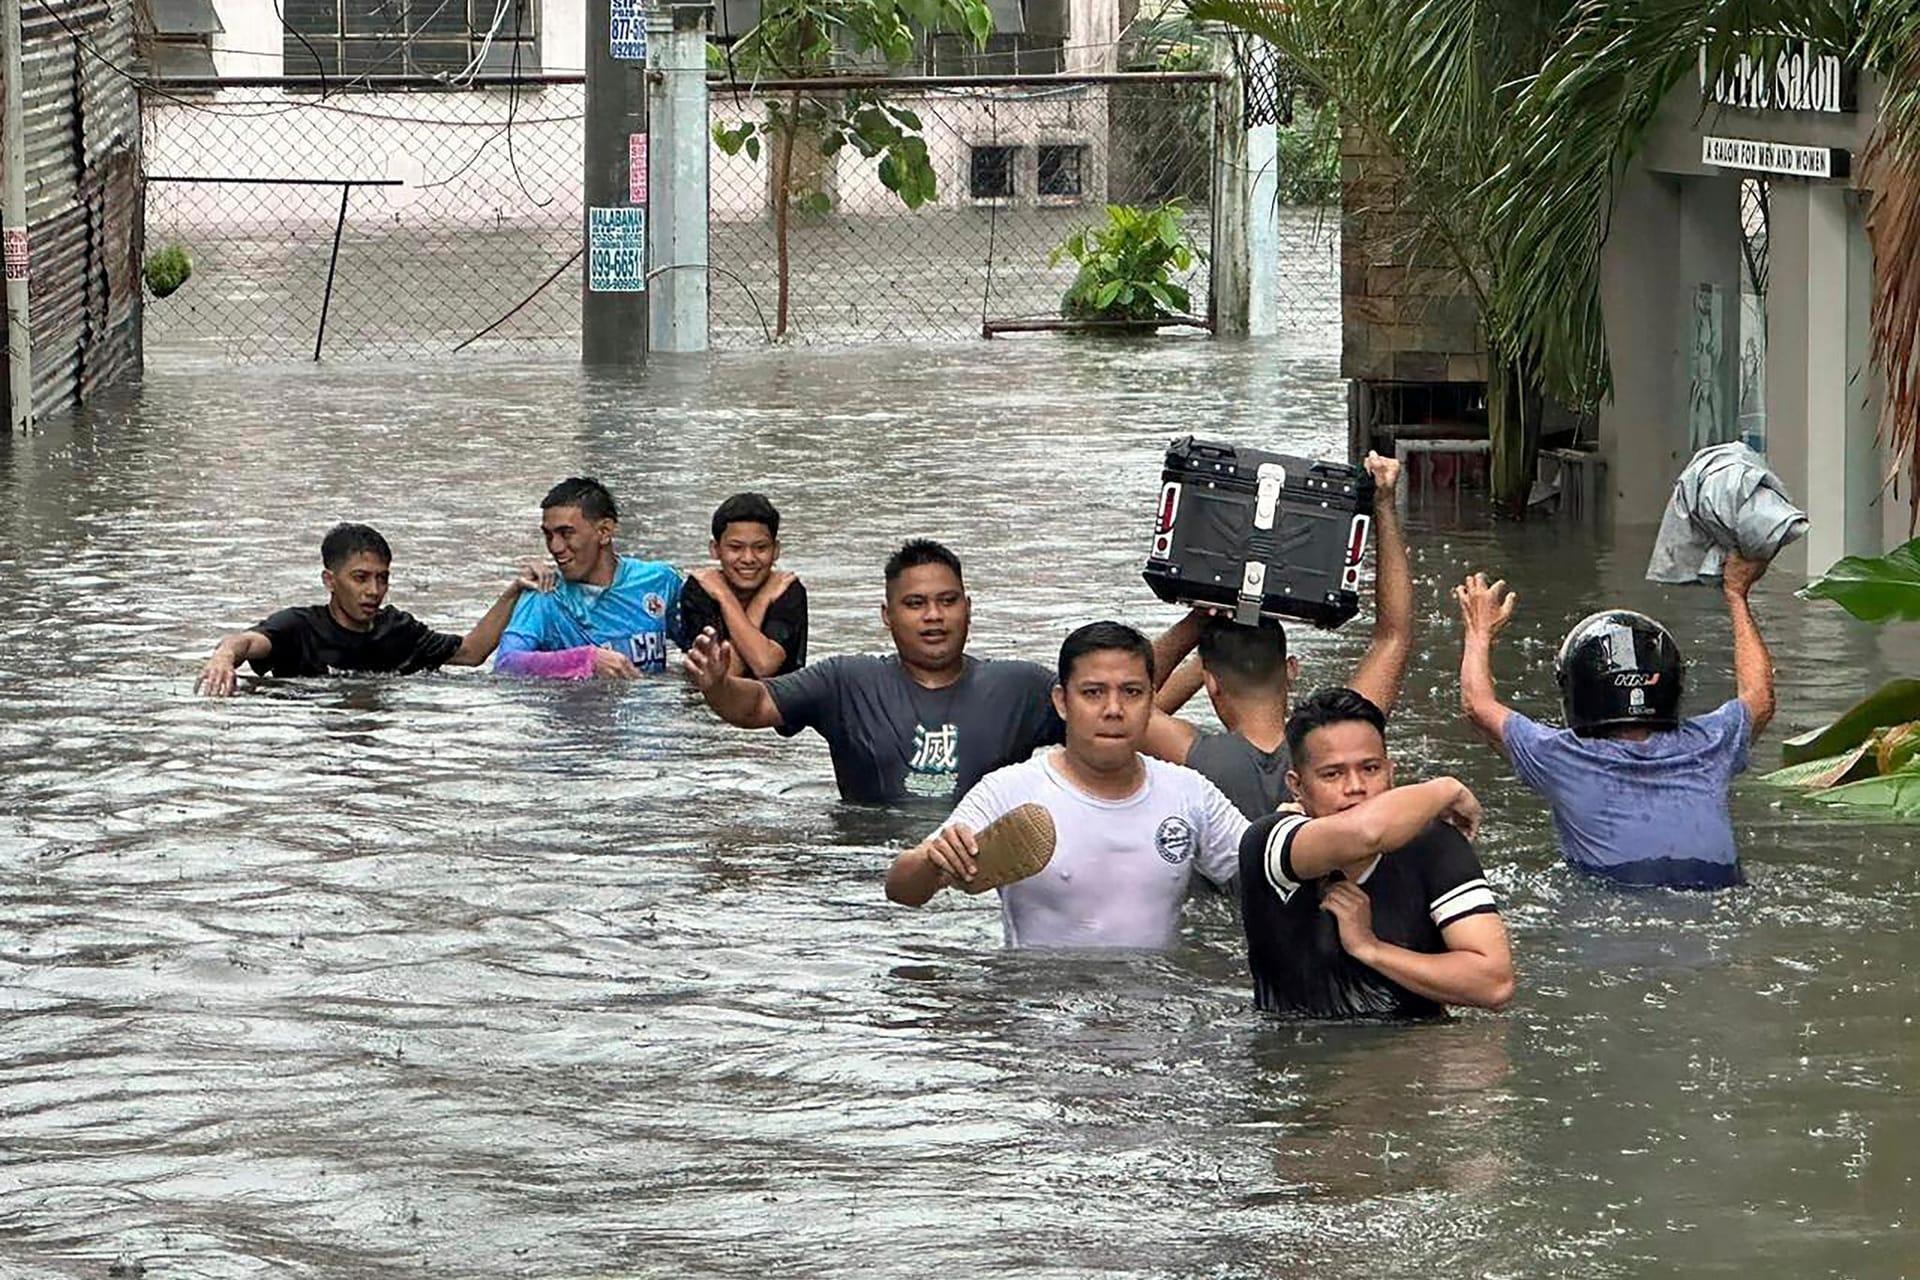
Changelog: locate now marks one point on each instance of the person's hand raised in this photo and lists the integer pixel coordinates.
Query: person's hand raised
(1740, 574)
(1385, 472)
(709, 659)
(1485, 607)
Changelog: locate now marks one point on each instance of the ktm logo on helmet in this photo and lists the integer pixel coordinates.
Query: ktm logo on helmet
(1636, 680)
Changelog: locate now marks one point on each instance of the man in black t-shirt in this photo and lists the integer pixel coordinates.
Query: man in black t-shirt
(926, 720)
(1247, 673)
(1368, 902)
(758, 609)
(356, 630)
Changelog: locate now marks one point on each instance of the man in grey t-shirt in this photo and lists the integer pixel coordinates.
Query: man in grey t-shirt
(927, 721)
(1247, 674)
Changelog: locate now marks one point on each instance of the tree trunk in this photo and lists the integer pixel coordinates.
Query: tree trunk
(783, 208)
(1513, 427)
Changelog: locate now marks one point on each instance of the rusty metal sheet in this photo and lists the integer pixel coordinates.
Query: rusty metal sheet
(80, 115)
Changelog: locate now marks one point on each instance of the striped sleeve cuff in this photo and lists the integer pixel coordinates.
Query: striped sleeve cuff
(1465, 899)
(1279, 867)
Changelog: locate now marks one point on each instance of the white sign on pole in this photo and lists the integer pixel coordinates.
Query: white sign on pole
(16, 252)
(1771, 157)
(617, 250)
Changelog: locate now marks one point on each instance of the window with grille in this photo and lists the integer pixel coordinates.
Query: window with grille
(343, 39)
(1060, 170)
(992, 172)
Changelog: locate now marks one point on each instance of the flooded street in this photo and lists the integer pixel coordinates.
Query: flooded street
(461, 976)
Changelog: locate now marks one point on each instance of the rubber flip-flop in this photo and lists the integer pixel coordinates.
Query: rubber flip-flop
(1013, 846)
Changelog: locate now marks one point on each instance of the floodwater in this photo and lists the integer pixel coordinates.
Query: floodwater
(465, 977)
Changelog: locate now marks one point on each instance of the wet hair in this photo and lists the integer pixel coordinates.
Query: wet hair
(584, 492)
(746, 508)
(1325, 707)
(345, 541)
(1244, 658)
(1103, 637)
(918, 551)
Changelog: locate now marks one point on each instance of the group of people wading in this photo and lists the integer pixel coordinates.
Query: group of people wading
(1359, 897)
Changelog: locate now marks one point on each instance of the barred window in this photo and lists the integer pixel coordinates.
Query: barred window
(992, 172)
(349, 38)
(1060, 170)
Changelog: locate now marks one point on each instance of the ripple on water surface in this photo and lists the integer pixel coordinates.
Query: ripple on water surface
(480, 978)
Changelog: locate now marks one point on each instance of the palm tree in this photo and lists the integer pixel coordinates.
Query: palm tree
(1443, 86)
(1510, 122)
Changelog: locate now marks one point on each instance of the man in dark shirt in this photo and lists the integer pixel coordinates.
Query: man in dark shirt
(1247, 673)
(356, 630)
(760, 610)
(925, 721)
(1369, 903)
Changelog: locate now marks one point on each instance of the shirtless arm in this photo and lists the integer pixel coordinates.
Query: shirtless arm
(1384, 665)
(218, 677)
(1485, 611)
(753, 653)
(478, 644)
(1171, 647)
(1476, 968)
(741, 702)
(1752, 664)
(942, 859)
(1169, 738)
(1181, 684)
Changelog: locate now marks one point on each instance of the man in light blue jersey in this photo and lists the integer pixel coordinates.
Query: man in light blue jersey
(609, 615)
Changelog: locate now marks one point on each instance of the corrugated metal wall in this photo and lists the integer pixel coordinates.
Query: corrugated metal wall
(82, 124)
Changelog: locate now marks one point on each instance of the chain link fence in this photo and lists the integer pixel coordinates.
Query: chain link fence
(400, 224)
(1019, 169)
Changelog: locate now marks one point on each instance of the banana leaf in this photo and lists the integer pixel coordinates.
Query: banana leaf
(1896, 702)
(1873, 588)
(1828, 771)
(1897, 793)
(1894, 748)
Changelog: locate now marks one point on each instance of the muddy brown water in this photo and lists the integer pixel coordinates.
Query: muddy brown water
(466, 977)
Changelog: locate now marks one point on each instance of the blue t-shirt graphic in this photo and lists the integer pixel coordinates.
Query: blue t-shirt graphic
(1651, 813)
(631, 615)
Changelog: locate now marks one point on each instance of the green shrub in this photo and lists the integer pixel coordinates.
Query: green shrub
(1127, 266)
(168, 269)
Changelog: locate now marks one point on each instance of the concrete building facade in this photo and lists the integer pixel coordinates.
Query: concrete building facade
(1673, 282)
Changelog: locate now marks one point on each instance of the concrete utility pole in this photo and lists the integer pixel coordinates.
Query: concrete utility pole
(613, 299)
(13, 225)
(678, 84)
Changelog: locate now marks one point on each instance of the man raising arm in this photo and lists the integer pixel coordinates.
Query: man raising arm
(927, 720)
(1639, 793)
(1248, 674)
(1369, 902)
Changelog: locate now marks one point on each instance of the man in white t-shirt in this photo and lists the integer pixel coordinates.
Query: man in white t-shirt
(1130, 831)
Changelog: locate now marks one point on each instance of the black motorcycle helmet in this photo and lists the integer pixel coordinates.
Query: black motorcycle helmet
(1619, 669)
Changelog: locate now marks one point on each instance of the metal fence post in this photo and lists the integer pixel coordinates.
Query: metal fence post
(333, 263)
(13, 226)
(678, 158)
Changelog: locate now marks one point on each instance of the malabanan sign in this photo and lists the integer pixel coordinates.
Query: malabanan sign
(1798, 78)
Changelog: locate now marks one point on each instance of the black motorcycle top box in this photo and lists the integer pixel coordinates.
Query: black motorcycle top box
(1258, 534)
